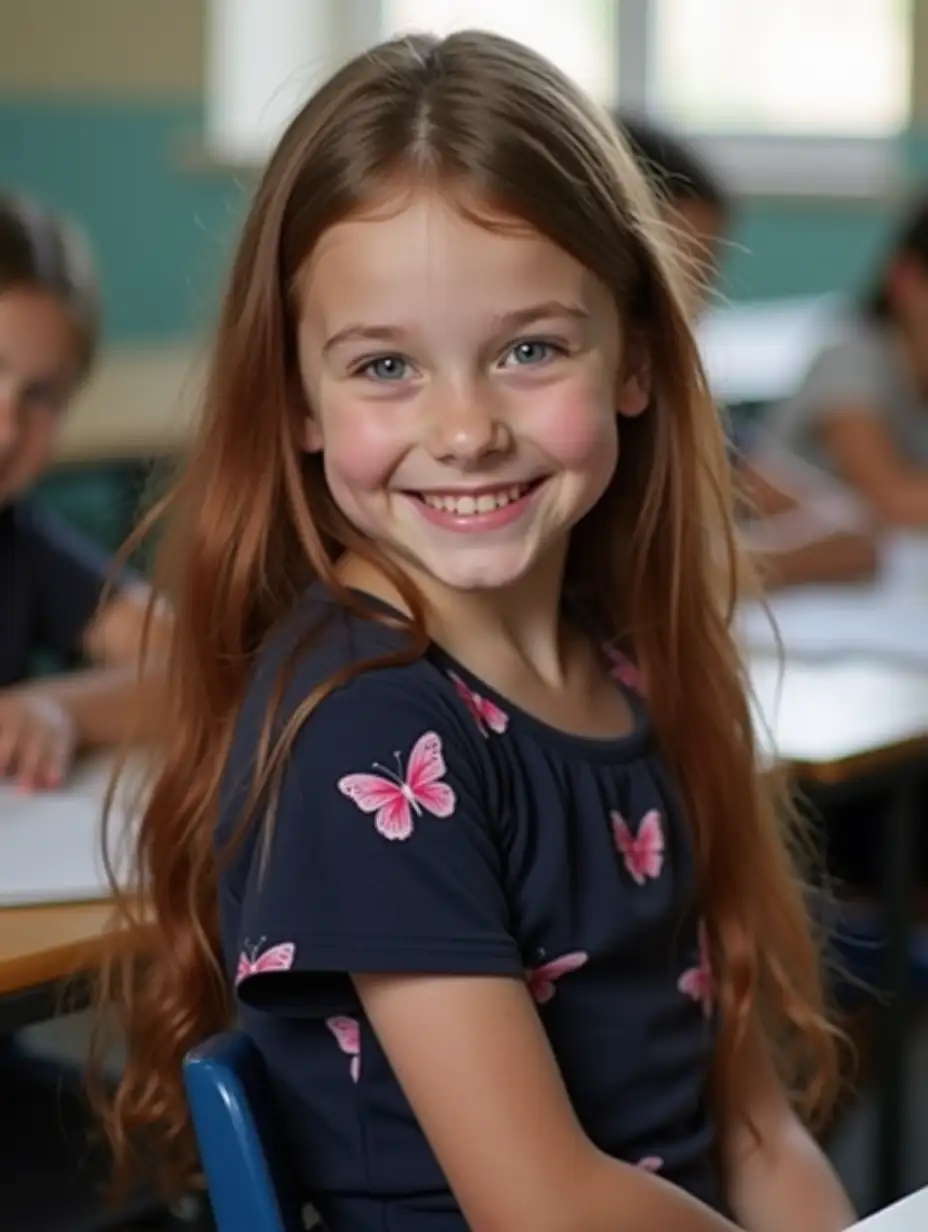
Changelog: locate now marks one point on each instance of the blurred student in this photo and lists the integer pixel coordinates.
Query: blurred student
(862, 411)
(795, 520)
(52, 580)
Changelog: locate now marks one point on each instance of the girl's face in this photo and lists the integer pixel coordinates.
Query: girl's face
(39, 365)
(466, 386)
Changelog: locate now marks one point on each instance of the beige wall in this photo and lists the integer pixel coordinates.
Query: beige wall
(129, 48)
(920, 62)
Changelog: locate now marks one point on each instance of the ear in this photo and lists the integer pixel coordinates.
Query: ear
(312, 435)
(634, 392)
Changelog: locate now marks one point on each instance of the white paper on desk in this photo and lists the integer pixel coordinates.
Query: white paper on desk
(909, 1215)
(831, 621)
(51, 842)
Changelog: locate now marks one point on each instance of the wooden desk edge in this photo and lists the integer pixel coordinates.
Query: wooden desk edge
(856, 765)
(62, 963)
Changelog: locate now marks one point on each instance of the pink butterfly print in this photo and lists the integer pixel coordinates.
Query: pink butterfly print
(541, 979)
(622, 668)
(395, 797)
(697, 981)
(347, 1034)
(643, 852)
(650, 1163)
(277, 958)
(487, 714)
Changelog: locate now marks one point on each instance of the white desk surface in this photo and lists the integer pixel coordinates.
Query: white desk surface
(51, 842)
(908, 1215)
(827, 718)
(760, 351)
(883, 620)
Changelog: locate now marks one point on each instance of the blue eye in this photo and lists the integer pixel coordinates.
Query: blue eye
(386, 368)
(532, 351)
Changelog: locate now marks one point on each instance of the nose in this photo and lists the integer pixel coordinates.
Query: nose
(468, 427)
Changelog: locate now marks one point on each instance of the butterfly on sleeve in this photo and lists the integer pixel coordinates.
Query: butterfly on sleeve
(397, 797)
(275, 958)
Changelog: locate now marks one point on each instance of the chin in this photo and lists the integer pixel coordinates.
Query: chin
(490, 571)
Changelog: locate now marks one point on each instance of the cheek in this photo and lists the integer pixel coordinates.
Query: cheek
(40, 437)
(576, 426)
(363, 445)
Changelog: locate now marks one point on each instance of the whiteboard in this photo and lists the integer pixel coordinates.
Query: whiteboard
(51, 841)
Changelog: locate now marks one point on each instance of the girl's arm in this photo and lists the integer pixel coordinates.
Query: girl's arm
(800, 531)
(779, 1180)
(104, 700)
(43, 722)
(474, 1061)
(108, 699)
(866, 456)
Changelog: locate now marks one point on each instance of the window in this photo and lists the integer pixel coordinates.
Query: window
(786, 96)
(259, 70)
(580, 36)
(795, 96)
(835, 67)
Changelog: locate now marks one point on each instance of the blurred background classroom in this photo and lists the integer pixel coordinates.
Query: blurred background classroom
(146, 121)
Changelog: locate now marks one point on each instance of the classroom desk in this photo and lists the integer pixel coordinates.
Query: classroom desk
(758, 352)
(845, 727)
(880, 620)
(836, 721)
(44, 953)
(48, 947)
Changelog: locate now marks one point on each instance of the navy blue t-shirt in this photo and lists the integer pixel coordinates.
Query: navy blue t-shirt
(425, 824)
(51, 580)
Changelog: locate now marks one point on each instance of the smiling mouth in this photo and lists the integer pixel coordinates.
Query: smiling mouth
(472, 504)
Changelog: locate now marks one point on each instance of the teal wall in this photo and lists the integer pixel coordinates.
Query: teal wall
(804, 247)
(162, 231)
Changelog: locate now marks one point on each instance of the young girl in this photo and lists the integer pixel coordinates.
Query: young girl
(51, 585)
(51, 580)
(519, 950)
(862, 410)
(794, 522)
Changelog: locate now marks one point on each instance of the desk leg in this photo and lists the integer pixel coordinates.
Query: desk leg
(895, 1014)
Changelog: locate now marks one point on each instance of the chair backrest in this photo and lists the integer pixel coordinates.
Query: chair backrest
(251, 1187)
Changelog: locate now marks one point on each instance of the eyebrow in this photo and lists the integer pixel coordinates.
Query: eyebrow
(506, 321)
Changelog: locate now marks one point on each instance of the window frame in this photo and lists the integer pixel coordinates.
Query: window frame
(760, 163)
(753, 163)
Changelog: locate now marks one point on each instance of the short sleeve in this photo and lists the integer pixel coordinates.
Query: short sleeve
(850, 372)
(69, 574)
(380, 856)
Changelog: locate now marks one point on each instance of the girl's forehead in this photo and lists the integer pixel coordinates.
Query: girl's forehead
(423, 241)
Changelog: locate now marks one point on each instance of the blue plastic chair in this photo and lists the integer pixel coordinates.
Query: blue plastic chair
(250, 1185)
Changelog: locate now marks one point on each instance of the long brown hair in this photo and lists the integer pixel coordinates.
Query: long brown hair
(653, 566)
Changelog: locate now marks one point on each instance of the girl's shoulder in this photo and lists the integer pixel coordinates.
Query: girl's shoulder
(855, 346)
(352, 671)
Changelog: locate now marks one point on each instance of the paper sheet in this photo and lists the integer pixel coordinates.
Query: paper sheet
(819, 622)
(51, 842)
(909, 1215)
(887, 619)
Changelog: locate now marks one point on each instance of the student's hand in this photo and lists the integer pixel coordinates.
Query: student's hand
(37, 739)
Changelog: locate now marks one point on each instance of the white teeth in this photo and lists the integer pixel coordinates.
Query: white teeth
(467, 506)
